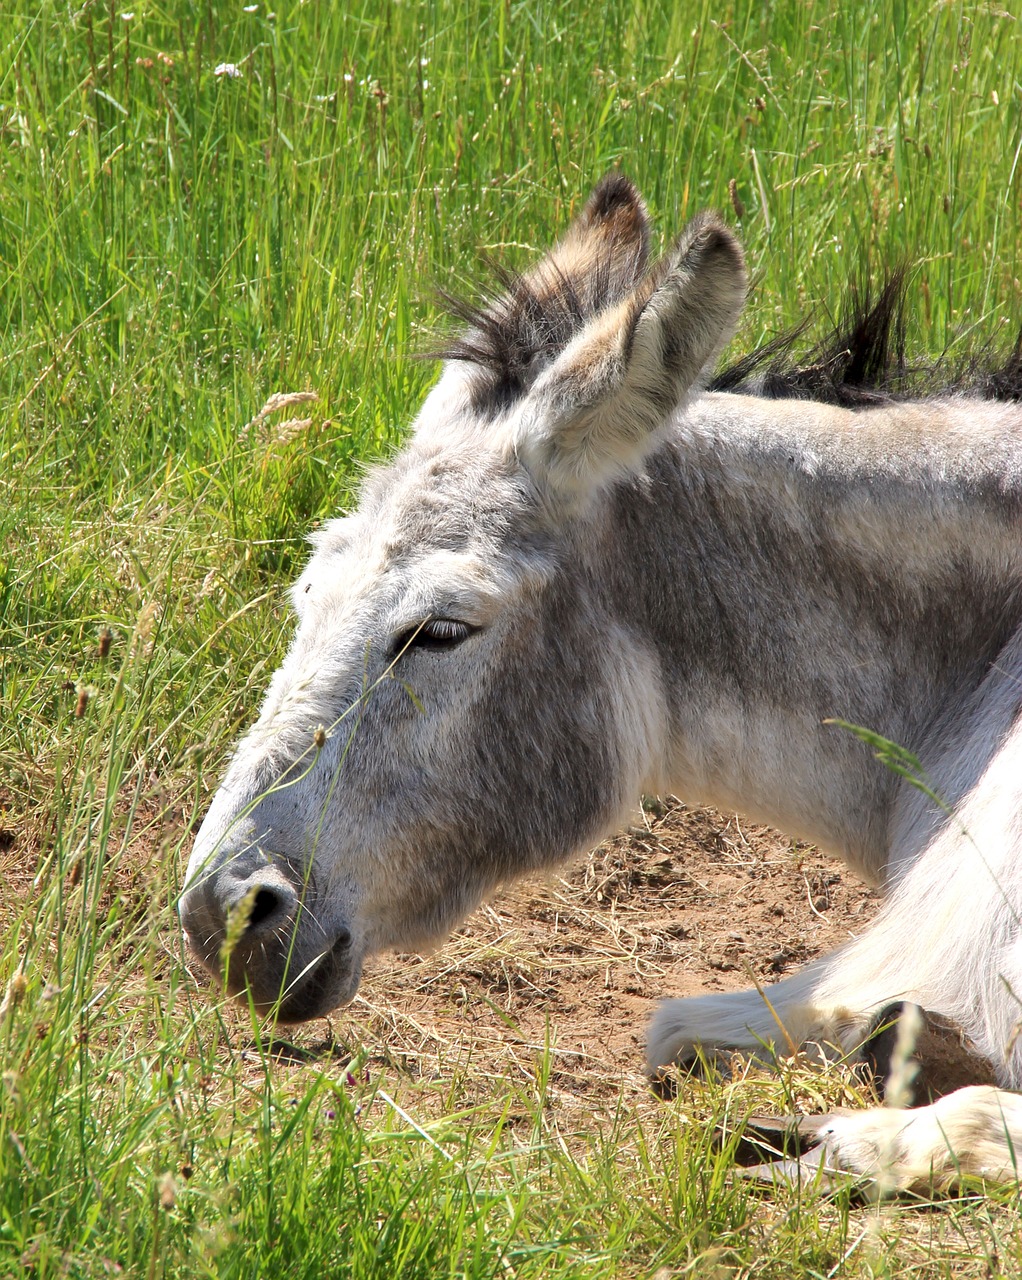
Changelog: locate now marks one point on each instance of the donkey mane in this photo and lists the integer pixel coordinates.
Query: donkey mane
(520, 322)
(861, 362)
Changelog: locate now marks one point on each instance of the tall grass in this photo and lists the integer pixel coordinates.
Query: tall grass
(200, 205)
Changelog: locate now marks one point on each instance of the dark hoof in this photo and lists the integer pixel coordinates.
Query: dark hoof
(664, 1084)
(664, 1081)
(764, 1139)
(939, 1057)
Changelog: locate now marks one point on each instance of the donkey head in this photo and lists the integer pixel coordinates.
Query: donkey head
(463, 700)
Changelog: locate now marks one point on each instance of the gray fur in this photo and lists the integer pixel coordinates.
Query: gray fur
(663, 588)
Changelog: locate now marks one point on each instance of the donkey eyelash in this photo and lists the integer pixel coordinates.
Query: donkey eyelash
(435, 634)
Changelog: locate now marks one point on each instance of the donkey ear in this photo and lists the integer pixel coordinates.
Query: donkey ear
(599, 409)
(603, 253)
(513, 336)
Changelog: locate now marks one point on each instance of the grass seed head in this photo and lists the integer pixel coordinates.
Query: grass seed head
(284, 430)
(237, 922)
(148, 617)
(14, 994)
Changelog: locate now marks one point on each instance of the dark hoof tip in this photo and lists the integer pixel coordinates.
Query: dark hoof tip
(765, 1139)
(938, 1059)
(665, 1081)
(880, 1049)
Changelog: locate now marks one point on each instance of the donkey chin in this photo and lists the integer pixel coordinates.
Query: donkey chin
(289, 988)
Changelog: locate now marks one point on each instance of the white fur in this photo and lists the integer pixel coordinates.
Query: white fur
(975, 1132)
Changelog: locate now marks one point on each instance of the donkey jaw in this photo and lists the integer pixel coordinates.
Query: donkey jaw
(328, 982)
(290, 992)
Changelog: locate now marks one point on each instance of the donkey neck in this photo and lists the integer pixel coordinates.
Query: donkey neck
(793, 563)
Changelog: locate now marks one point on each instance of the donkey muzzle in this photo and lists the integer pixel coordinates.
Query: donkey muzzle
(255, 929)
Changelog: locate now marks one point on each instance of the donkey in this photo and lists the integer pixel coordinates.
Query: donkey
(590, 575)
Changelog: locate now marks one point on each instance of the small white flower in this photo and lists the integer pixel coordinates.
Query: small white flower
(229, 69)
(250, 8)
(127, 17)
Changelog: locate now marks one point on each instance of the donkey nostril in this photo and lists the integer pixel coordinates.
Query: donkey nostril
(266, 905)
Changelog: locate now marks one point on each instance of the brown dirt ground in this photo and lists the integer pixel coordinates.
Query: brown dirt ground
(691, 901)
(565, 969)
(686, 901)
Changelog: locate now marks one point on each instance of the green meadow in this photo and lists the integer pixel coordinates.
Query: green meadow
(203, 204)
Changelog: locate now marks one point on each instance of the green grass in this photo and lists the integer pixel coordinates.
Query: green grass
(174, 246)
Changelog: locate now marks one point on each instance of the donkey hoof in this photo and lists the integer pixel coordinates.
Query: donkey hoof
(927, 1055)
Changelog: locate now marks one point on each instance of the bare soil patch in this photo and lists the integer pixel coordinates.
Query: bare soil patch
(692, 901)
(686, 901)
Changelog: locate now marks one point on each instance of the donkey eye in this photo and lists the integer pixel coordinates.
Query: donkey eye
(434, 633)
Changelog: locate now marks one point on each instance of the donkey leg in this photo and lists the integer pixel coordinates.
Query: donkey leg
(974, 1132)
(782, 1018)
(830, 1007)
(949, 938)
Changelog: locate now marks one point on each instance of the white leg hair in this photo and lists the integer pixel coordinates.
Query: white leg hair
(949, 939)
(974, 1132)
(744, 1020)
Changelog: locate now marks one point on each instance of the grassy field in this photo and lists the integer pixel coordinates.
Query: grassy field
(202, 204)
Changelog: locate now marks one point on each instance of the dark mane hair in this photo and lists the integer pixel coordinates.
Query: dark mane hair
(862, 361)
(520, 324)
(511, 331)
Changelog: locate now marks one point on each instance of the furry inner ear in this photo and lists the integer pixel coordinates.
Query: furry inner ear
(514, 336)
(599, 409)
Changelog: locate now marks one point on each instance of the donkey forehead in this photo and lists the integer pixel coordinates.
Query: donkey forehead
(399, 587)
(436, 520)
